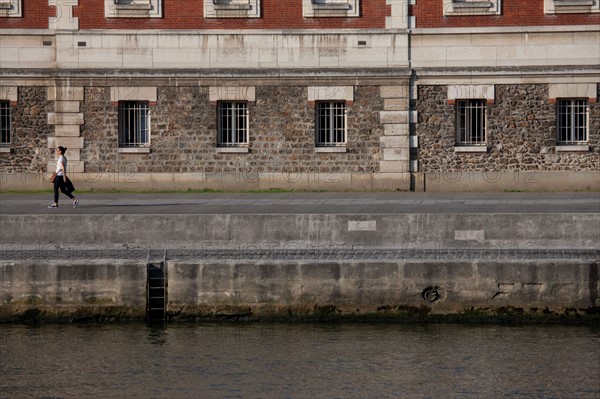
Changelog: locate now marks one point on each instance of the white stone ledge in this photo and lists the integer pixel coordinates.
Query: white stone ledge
(394, 141)
(396, 154)
(134, 150)
(503, 76)
(224, 32)
(232, 150)
(69, 142)
(5, 150)
(331, 149)
(471, 148)
(67, 130)
(394, 166)
(573, 148)
(506, 29)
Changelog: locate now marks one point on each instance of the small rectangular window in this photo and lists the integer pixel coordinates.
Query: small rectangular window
(471, 122)
(571, 6)
(232, 121)
(134, 124)
(330, 8)
(330, 123)
(232, 8)
(5, 123)
(133, 8)
(572, 121)
(11, 8)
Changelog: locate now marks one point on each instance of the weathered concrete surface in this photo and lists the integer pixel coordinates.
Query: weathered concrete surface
(361, 287)
(302, 255)
(366, 230)
(72, 290)
(214, 288)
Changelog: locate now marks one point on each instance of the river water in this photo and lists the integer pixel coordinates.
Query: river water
(299, 361)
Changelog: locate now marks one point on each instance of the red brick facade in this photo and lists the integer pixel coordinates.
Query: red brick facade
(188, 14)
(429, 14)
(35, 16)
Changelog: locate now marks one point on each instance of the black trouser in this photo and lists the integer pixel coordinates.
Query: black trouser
(59, 182)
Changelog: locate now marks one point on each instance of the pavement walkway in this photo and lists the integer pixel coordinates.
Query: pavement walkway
(305, 203)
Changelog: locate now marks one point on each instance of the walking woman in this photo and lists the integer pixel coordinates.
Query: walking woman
(61, 179)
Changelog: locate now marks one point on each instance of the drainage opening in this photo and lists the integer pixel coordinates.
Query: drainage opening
(431, 294)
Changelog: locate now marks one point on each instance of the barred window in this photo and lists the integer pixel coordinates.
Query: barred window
(572, 121)
(471, 122)
(330, 124)
(232, 123)
(134, 124)
(5, 123)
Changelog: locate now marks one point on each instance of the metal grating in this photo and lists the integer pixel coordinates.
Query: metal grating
(5, 123)
(232, 124)
(471, 122)
(572, 121)
(134, 124)
(331, 124)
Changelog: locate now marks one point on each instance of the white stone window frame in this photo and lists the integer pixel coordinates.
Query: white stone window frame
(576, 110)
(320, 94)
(133, 8)
(8, 94)
(331, 8)
(231, 8)
(233, 111)
(139, 94)
(472, 92)
(139, 144)
(470, 107)
(471, 7)
(571, 6)
(570, 91)
(326, 140)
(218, 94)
(11, 8)
(5, 118)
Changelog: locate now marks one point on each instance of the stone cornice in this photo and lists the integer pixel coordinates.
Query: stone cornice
(203, 32)
(506, 30)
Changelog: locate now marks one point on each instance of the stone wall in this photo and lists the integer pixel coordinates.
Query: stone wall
(184, 134)
(561, 291)
(29, 133)
(521, 133)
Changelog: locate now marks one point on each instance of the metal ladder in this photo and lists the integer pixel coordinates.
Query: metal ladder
(156, 290)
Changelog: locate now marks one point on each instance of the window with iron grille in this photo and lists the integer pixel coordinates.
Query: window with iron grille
(134, 124)
(572, 121)
(471, 122)
(232, 123)
(5, 123)
(330, 124)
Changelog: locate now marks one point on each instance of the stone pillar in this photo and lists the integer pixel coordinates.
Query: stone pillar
(395, 144)
(67, 120)
(64, 19)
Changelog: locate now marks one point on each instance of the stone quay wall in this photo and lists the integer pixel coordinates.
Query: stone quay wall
(256, 267)
(564, 291)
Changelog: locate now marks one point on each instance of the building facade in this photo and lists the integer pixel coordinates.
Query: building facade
(505, 94)
(435, 95)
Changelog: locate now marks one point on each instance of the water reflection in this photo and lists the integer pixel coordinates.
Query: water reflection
(298, 361)
(157, 333)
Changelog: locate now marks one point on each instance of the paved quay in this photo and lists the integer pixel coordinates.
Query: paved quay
(302, 254)
(305, 203)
